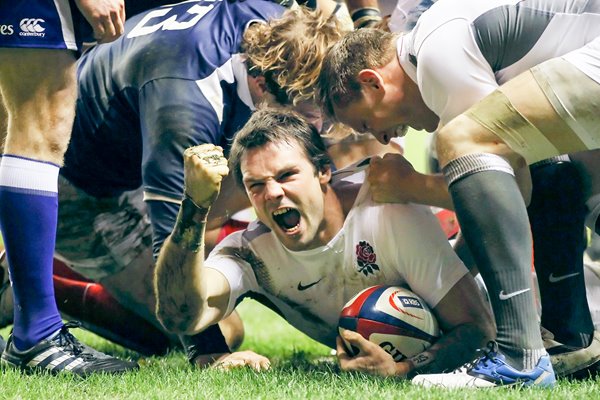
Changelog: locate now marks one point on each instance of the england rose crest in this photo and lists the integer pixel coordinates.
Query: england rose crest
(366, 257)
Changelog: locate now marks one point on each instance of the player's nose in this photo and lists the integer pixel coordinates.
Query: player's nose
(273, 190)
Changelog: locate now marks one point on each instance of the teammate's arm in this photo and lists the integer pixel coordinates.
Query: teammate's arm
(394, 180)
(186, 302)
(364, 13)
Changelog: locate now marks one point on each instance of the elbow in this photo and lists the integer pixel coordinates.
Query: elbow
(179, 319)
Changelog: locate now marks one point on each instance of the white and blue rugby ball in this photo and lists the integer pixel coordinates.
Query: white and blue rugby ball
(393, 317)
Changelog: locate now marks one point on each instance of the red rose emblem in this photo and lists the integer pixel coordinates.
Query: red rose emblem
(366, 257)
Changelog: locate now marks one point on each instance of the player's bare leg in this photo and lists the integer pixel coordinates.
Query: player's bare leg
(40, 106)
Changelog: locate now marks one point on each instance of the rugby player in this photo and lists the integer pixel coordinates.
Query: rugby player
(458, 54)
(305, 256)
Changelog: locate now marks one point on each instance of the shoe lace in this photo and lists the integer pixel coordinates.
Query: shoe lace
(70, 343)
(487, 354)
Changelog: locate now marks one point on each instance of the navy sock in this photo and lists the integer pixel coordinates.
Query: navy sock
(557, 213)
(493, 219)
(28, 216)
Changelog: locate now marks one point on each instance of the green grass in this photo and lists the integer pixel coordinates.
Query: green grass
(301, 369)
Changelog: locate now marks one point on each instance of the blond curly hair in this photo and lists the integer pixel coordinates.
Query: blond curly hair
(289, 51)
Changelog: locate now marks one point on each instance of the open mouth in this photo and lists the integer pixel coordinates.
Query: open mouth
(287, 218)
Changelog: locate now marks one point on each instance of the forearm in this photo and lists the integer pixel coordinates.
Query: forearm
(452, 350)
(356, 4)
(364, 13)
(178, 278)
(394, 180)
(425, 189)
(435, 192)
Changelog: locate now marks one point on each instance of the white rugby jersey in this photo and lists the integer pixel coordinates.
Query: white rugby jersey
(393, 244)
(460, 51)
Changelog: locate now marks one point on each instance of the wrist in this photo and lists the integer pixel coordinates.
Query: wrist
(419, 363)
(365, 17)
(206, 347)
(404, 369)
(189, 227)
(192, 212)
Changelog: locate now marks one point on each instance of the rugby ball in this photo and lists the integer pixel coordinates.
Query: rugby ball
(393, 317)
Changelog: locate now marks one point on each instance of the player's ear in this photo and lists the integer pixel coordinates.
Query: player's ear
(370, 79)
(261, 83)
(325, 175)
(258, 89)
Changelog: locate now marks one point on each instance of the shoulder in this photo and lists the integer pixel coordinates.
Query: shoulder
(449, 18)
(254, 230)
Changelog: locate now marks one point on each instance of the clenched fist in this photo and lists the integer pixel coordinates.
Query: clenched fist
(204, 169)
(393, 179)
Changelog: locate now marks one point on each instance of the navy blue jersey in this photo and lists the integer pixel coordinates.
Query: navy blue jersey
(174, 79)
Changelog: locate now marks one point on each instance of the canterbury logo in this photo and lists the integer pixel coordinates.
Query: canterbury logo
(32, 25)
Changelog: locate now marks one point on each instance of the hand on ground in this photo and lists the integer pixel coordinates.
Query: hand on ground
(245, 358)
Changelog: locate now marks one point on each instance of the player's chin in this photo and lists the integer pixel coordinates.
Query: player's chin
(294, 239)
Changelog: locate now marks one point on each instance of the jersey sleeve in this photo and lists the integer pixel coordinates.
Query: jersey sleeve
(174, 115)
(227, 258)
(423, 254)
(451, 72)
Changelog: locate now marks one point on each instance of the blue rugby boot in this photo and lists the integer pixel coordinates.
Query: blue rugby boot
(491, 370)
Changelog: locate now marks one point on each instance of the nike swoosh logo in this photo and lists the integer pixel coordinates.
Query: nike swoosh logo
(506, 296)
(554, 279)
(302, 287)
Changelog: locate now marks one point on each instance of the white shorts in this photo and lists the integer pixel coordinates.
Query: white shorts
(575, 98)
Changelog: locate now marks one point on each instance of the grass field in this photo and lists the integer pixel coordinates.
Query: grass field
(301, 369)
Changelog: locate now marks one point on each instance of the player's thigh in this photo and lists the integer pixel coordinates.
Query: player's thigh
(549, 110)
(563, 105)
(465, 135)
(100, 237)
(36, 75)
(108, 240)
(3, 123)
(39, 89)
(133, 286)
